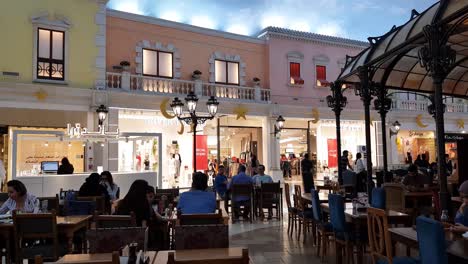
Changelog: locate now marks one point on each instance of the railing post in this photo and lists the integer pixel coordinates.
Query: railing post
(198, 88)
(257, 93)
(125, 84)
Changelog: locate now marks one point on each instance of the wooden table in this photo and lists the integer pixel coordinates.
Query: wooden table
(100, 258)
(66, 225)
(408, 236)
(323, 197)
(211, 254)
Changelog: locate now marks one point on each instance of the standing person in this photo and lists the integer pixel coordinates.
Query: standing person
(66, 167)
(418, 161)
(19, 199)
(285, 166)
(424, 162)
(409, 158)
(345, 161)
(108, 182)
(136, 201)
(359, 164)
(241, 178)
(198, 200)
(307, 177)
(220, 182)
(448, 164)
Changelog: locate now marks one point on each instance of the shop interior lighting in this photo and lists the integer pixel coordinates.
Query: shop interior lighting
(69, 144)
(46, 144)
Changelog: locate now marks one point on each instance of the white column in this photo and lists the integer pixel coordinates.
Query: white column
(272, 150)
(112, 148)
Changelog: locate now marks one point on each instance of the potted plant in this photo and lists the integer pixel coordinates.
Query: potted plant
(125, 65)
(196, 75)
(256, 81)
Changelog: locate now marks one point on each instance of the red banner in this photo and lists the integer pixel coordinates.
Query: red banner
(202, 152)
(332, 155)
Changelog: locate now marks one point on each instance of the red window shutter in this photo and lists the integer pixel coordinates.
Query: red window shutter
(295, 69)
(321, 72)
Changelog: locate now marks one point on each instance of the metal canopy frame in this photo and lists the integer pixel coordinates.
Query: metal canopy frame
(428, 54)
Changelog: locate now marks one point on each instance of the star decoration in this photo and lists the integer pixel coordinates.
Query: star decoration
(460, 123)
(41, 95)
(240, 112)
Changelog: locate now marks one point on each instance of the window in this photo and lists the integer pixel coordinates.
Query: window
(50, 54)
(157, 63)
(295, 73)
(321, 74)
(226, 72)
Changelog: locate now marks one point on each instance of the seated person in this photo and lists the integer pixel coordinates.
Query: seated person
(93, 187)
(461, 219)
(136, 201)
(158, 232)
(197, 200)
(261, 177)
(239, 201)
(19, 199)
(414, 180)
(220, 182)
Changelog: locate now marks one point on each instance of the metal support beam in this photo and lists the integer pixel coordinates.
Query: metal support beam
(383, 104)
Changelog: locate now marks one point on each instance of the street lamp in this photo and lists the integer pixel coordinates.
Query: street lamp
(279, 124)
(102, 114)
(191, 118)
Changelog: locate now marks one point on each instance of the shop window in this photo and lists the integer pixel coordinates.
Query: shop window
(295, 73)
(226, 72)
(321, 74)
(157, 63)
(50, 54)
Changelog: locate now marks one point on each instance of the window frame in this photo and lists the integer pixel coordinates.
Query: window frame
(316, 75)
(227, 72)
(50, 60)
(157, 63)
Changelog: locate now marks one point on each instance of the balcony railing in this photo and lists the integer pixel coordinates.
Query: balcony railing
(421, 106)
(138, 83)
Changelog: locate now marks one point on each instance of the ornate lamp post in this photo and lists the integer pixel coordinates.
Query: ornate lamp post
(191, 118)
(279, 125)
(337, 102)
(383, 104)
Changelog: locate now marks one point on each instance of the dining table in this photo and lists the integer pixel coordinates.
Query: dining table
(99, 258)
(358, 219)
(457, 247)
(210, 255)
(66, 226)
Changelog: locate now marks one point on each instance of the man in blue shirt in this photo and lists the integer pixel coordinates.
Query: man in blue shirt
(261, 177)
(239, 201)
(197, 200)
(220, 182)
(461, 218)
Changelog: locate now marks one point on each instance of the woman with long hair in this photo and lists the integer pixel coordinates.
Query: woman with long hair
(136, 201)
(108, 182)
(66, 167)
(19, 199)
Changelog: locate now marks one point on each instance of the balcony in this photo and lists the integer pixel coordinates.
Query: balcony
(159, 86)
(421, 106)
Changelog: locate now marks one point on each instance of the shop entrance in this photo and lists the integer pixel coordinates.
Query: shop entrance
(293, 145)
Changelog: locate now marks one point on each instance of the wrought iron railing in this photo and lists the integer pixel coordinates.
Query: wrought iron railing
(146, 84)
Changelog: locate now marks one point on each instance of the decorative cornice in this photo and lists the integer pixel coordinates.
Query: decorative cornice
(181, 26)
(44, 18)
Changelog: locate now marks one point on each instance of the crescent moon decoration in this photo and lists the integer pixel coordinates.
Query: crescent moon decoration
(181, 130)
(163, 107)
(315, 115)
(419, 122)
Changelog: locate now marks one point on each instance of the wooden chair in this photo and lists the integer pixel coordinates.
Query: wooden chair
(99, 201)
(52, 203)
(80, 208)
(395, 196)
(244, 259)
(201, 236)
(292, 211)
(106, 240)
(380, 246)
(29, 228)
(297, 189)
(270, 197)
(305, 218)
(244, 190)
(114, 221)
(200, 219)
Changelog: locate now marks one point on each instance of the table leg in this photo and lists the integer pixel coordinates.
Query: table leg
(69, 243)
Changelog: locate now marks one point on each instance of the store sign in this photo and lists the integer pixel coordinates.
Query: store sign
(202, 152)
(413, 133)
(332, 154)
(455, 137)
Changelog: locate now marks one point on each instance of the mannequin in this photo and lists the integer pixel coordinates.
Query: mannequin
(178, 163)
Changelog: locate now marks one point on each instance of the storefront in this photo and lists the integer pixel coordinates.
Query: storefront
(456, 146)
(413, 143)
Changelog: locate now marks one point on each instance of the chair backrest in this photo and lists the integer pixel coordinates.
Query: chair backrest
(287, 194)
(114, 221)
(52, 202)
(171, 191)
(35, 227)
(67, 194)
(3, 197)
(270, 193)
(80, 208)
(99, 201)
(349, 178)
(200, 219)
(394, 196)
(379, 238)
(431, 240)
(378, 198)
(316, 209)
(241, 190)
(337, 216)
(273, 187)
(297, 189)
(106, 240)
(201, 236)
(244, 259)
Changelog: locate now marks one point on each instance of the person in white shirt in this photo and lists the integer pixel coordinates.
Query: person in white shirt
(359, 164)
(108, 182)
(19, 199)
